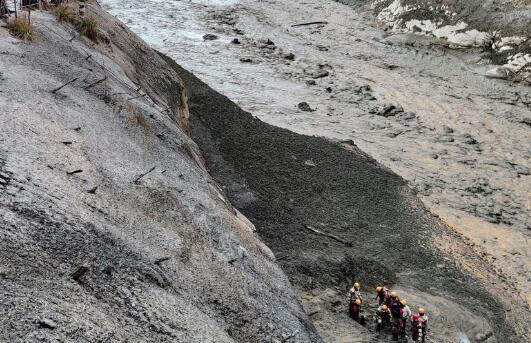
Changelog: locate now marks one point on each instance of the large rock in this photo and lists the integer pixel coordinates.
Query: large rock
(497, 73)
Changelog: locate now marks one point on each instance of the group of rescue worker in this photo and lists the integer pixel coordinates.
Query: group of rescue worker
(392, 312)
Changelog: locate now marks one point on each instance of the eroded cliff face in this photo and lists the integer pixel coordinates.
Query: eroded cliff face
(501, 27)
(110, 227)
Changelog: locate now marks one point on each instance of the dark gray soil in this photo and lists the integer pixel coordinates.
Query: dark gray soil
(283, 182)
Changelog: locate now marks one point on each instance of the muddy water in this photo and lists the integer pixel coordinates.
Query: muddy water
(463, 141)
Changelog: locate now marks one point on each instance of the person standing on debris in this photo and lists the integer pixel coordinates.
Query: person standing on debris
(406, 315)
(423, 320)
(416, 328)
(355, 293)
(355, 304)
(383, 316)
(381, 294)
(355, 310)
(395, 306)
(393, 302)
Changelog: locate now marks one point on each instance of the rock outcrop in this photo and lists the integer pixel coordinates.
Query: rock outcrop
(502, 27)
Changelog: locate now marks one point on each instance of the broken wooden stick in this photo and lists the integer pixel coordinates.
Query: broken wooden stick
(162, 259)
(96, 82)
(136, 97)
(92, 190)
(77, 171)
(311, 23)
(329, 235)
(137, 180)
(63, 85)
(282, 258)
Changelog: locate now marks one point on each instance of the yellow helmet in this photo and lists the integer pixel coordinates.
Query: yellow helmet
(378, 289)
(403, 302)
(356, 285)
(393, 294)
(358, 301)
(421, 311)
(384, 307)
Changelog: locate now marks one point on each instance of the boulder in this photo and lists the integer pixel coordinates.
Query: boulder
(210, 36)
(497, 73)
(304, 106)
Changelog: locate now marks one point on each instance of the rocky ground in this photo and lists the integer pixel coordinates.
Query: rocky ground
(428, 113)
(508, 17)
(333, 215)
(500, 27)
(111, 230)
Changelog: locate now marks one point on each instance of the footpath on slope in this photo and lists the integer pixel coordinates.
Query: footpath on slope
(286, 182)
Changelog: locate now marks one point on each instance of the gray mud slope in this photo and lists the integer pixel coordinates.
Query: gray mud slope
(283, 181)
(91, 251)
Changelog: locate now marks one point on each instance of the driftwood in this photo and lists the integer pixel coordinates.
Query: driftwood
(162, 259)
(77, 171)
(63, 85)
(92, 190)
(136, 97)
(137, 180)
(329, 235)
(96, 82)
(311, 23)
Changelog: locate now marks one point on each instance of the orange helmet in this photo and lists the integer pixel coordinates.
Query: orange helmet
(379, 289)
(358, 301)
(356, 285)
(421, 311)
